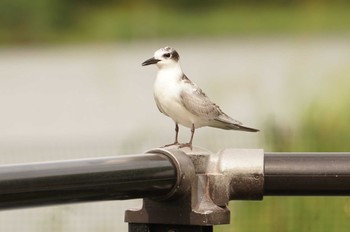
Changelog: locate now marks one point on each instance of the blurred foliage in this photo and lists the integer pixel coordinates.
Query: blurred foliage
(290, 214)
(324, 124)
(324, 127)
(54, 21)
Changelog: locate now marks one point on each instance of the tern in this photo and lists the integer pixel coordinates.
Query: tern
(183, 101)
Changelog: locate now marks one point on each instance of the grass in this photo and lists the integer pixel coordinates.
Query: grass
(290, 214)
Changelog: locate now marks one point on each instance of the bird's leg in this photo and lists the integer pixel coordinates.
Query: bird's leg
(176, 133)
(176, 136)
(189, 144)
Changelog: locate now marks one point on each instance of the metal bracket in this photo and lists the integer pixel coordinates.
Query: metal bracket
(205, 184)
(236, 174)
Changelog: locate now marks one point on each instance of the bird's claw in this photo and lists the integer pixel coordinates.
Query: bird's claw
(180, 145)
(189, 145)
(172, 144)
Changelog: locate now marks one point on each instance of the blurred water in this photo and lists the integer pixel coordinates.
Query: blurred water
(82, 101)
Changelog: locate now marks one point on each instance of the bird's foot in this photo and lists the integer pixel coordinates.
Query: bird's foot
(189, 145)
(172, 144)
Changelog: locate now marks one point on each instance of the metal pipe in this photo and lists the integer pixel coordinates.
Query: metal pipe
(316, 174)
(108, 178)
(155, 175)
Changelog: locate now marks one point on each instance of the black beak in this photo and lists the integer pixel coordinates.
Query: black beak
(150, 61)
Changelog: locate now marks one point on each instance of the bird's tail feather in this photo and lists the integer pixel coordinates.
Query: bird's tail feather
(243, 128)
(227, 125)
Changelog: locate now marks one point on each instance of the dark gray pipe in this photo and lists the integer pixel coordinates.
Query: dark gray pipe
(154, 175)
(109, 178)
(316, 174)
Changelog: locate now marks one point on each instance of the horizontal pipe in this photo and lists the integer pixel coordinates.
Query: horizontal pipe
(307, 174)
(154, 175)
(108, 178)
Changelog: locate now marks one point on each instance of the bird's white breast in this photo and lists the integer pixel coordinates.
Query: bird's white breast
(167, 90)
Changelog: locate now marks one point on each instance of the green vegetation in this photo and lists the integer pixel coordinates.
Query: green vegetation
(324, 127)
(324, 124)
(290, 214)
(56, 21)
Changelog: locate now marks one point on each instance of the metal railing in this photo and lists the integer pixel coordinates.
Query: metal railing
(182, 190)
(97, 179)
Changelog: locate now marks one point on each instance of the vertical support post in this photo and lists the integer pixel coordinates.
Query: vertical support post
(138, 227)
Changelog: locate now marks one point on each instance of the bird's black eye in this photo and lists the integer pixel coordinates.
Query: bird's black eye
(166, 55)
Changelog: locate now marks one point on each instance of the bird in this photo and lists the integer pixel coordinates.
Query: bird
(179, 98)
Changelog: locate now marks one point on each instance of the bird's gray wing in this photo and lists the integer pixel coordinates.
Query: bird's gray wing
(197, 102)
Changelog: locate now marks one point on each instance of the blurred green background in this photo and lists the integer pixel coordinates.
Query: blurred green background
(58, 21)
(62, 70)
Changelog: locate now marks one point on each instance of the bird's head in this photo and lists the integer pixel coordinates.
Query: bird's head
(163, 57)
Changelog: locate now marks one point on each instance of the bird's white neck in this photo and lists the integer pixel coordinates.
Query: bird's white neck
(170, 72)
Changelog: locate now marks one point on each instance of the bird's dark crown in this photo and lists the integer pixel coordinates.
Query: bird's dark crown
(173, 53)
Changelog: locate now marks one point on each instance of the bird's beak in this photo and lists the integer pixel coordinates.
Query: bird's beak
(150, 61)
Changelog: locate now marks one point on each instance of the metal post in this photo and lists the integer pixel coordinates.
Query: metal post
(138, 227)
(108, 178)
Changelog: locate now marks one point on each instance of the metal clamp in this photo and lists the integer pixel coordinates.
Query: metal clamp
(205, 184)
(236, 174)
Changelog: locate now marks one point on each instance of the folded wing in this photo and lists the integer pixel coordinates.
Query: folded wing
(197, 102)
